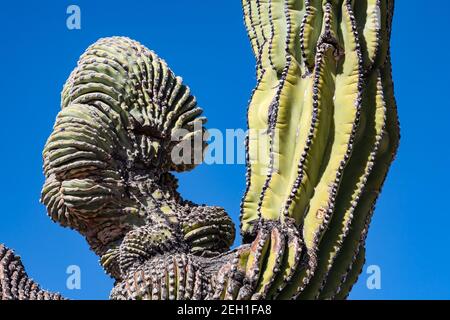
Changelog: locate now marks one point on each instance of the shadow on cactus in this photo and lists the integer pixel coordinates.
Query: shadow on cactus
(323, 131)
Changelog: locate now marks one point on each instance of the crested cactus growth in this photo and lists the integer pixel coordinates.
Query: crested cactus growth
(323, 133)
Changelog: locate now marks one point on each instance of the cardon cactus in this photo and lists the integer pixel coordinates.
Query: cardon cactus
(324, 105)
(323, 131)
(107, 162)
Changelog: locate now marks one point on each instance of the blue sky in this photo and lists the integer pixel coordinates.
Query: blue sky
(207, 46)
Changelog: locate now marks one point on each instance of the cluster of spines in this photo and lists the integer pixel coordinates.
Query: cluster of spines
(300, 250)
(265, 269)
(228, 280)
(145, 242)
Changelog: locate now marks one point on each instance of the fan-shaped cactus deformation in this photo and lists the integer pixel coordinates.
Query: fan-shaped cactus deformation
(324, 102)
(323, 133)
(107, 162)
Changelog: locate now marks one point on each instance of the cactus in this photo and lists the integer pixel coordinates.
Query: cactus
(323, 133)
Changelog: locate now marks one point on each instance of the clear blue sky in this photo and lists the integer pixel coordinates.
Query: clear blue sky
(206, 44)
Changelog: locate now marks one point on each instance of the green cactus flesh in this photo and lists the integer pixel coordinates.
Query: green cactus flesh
(323, 132)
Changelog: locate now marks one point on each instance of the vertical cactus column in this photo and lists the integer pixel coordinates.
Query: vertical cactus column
(323, 133)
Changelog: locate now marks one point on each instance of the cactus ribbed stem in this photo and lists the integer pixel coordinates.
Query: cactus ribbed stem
(15, 283)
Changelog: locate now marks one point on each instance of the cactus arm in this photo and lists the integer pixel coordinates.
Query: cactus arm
(15, 283)
(362, 196)
(351, 277)
(290, 266)
(263, 102)
(324, 88)
(247, 208)
(291, 99)
(296, 103)
(343, 100)
(274, 78)
(388, 143)
(280, 128)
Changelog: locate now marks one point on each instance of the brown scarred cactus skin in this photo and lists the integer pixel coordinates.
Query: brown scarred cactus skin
(15, 283)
